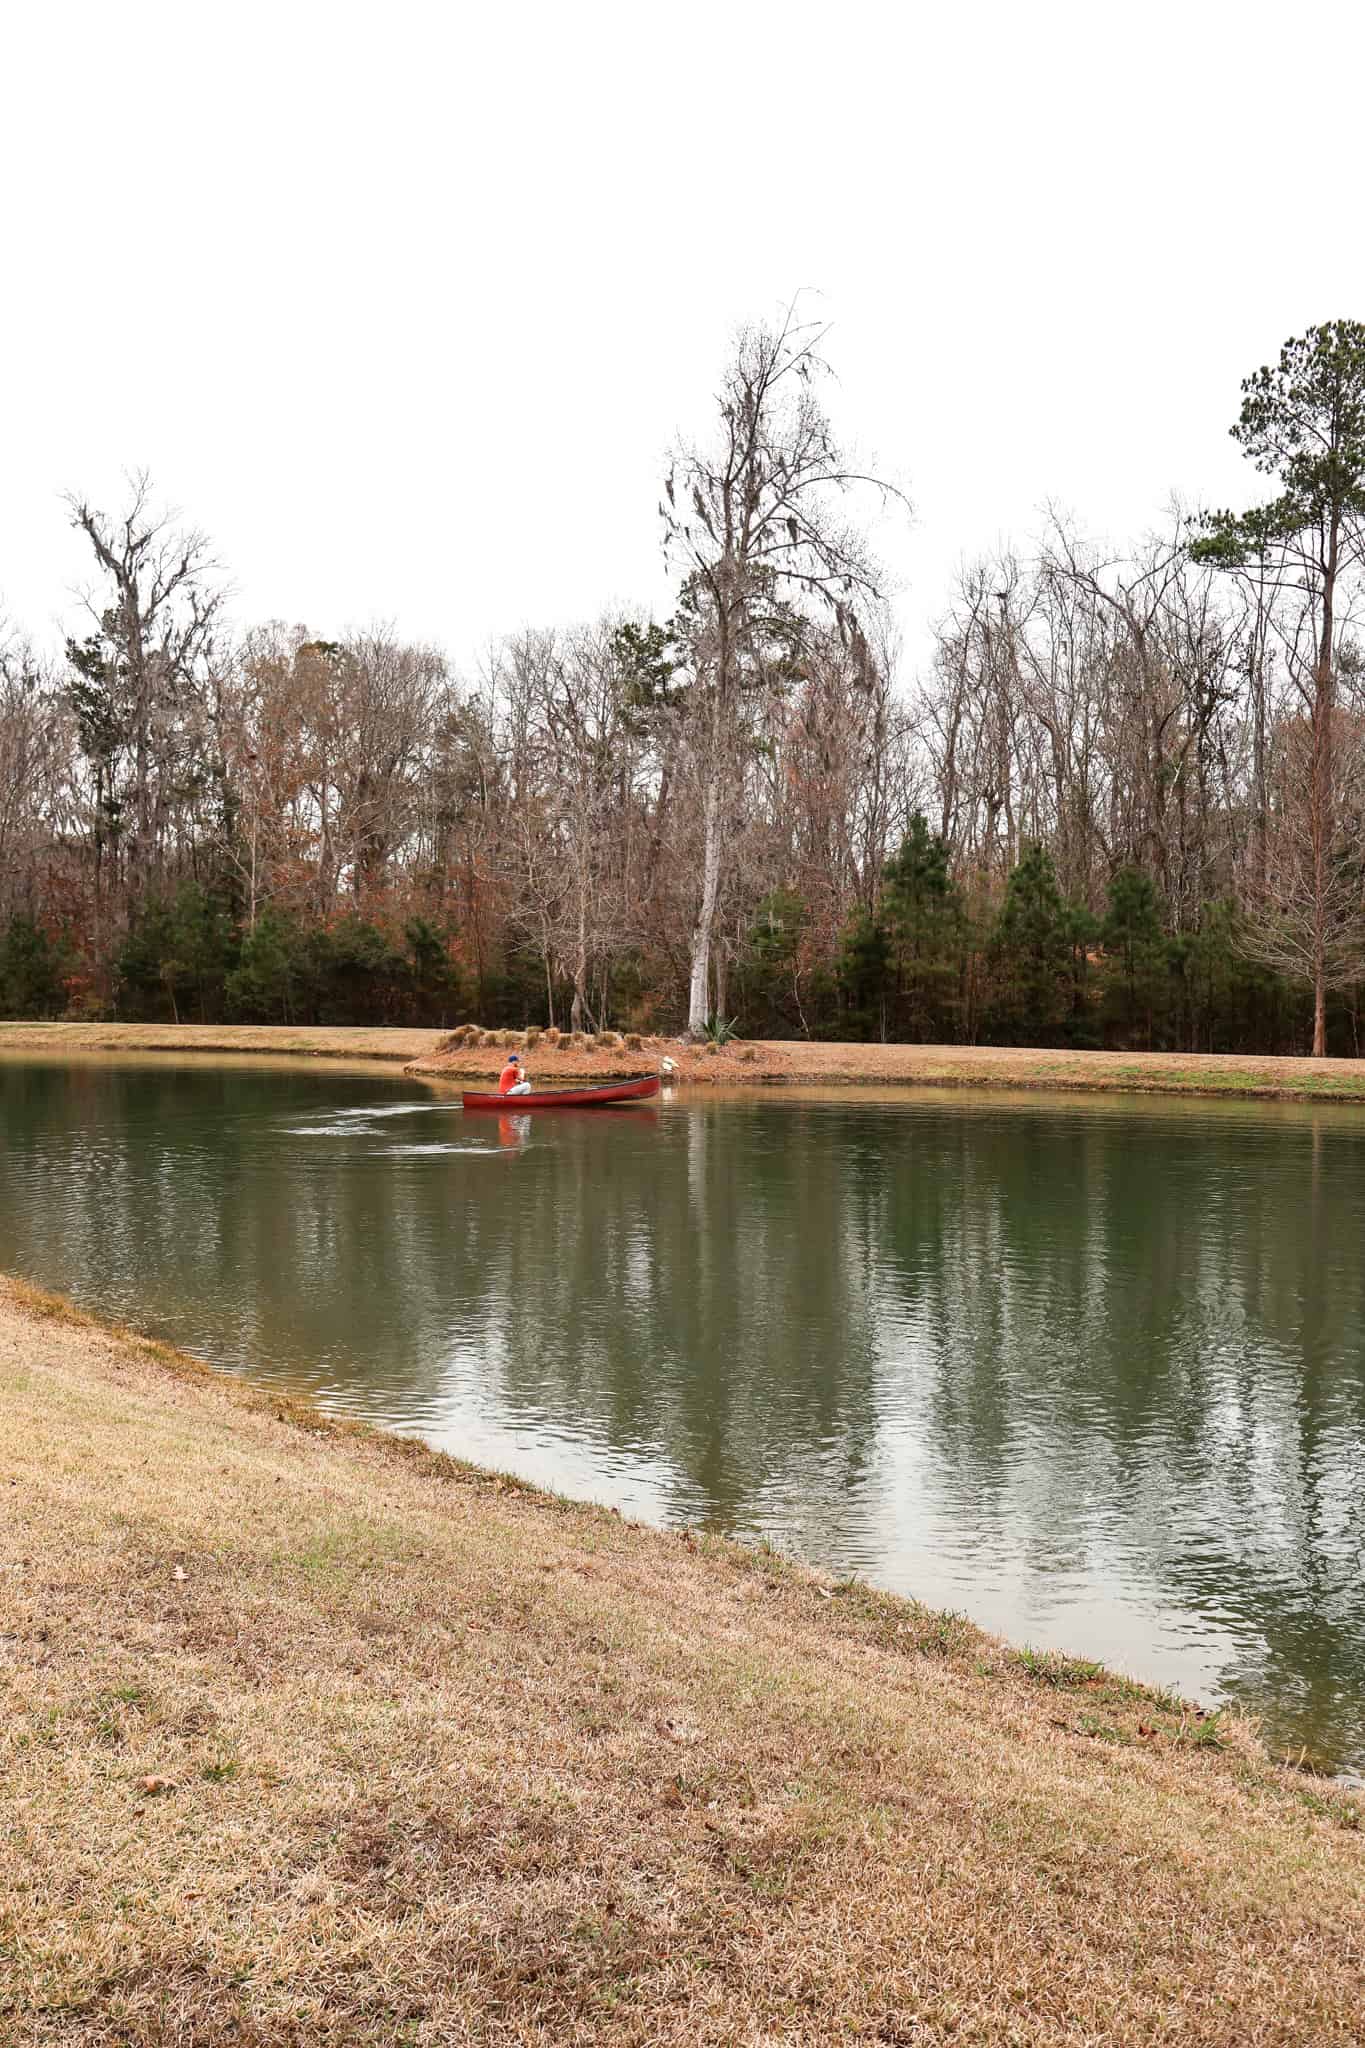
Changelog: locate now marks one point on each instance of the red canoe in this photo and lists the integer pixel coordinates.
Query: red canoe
(568, 1098)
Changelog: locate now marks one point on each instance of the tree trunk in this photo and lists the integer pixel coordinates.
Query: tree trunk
(1319, 1011)
(699, 993)
(580, 967)
(1259, 775)
(1323, 819)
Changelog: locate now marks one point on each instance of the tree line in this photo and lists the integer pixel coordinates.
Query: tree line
(1121, 805)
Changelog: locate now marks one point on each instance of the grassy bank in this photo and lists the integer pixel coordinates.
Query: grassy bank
(757, 1063)
(794, 1063)
(312, 1735)
(275, 1040)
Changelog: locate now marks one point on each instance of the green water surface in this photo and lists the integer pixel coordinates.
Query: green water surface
(1093, 1371)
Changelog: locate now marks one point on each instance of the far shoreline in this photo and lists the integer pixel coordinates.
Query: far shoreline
(424, 1054)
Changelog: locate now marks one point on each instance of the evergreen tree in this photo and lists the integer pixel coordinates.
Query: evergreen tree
(866, 978)
(353, 974)
(176, 958)
(269, 984)
(922, 913)
(769, 980)
(1303, 422)
(1031, 951)
(1131, 934)
(30, 971)
(1082, 929)
(434, 976)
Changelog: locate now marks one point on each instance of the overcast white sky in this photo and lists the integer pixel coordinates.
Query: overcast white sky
(404, 304)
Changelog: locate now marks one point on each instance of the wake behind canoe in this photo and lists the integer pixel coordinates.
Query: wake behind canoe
(637, 1090)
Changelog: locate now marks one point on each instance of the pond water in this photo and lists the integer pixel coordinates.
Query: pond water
(1091, 1370)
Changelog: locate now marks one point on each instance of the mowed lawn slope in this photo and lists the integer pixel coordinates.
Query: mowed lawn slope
(312, 1738)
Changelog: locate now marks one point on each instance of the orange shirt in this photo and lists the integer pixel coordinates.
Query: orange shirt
(508, 1079)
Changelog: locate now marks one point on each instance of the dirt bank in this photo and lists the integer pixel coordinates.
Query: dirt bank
(301, 1041)
(757, 1063)
(771, 1063)
(312, 1736)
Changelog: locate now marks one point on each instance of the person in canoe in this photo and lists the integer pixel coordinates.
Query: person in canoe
(510, 1080)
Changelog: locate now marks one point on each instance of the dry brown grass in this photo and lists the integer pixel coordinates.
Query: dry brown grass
(314, 1737)
(390, 1043)
(471, 1053)
(763, 1063)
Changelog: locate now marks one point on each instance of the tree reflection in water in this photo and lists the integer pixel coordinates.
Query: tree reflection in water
(1092, 1371)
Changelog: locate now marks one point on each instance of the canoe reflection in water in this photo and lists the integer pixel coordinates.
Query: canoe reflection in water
(513, 1131)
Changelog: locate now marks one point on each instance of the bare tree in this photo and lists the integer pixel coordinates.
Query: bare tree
(754, 523)
(386, 699)
(1310, 923)
(35, 740)
(137, 679)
